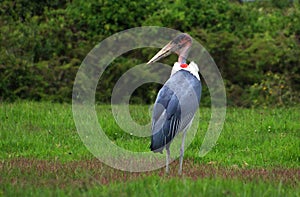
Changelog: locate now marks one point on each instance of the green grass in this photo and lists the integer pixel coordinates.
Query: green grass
(157, 186)
(251, 139)
(259, 137)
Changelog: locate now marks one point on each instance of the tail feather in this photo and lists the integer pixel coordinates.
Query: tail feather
(161, 138)
(157, 142)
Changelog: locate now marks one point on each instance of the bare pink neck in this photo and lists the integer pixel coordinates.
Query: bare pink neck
(183, 54)
(181, 59)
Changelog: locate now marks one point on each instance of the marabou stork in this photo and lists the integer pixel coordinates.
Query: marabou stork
(177, 101)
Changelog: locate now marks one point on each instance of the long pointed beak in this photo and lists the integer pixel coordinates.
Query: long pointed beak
(167, 50)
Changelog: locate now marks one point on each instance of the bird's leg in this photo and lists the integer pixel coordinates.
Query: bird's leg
(167, 159)
(181, 153)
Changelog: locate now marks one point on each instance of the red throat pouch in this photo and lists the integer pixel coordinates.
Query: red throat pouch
(183, 65)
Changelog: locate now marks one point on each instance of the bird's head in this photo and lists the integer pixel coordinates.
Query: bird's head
(179, 45)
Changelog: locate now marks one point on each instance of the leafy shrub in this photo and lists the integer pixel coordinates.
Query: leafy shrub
(256, 45)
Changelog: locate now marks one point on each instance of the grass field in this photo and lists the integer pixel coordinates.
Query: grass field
(41, 154)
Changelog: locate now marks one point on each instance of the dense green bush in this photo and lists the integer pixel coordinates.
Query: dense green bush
(255, 45)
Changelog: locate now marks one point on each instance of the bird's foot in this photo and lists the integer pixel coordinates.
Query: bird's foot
(179, 172)
(167, 170)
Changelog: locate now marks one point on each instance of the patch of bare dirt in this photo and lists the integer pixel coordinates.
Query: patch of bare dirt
(90, 172)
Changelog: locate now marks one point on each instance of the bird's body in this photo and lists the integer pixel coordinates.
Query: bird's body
(177, 101)
(174, 108)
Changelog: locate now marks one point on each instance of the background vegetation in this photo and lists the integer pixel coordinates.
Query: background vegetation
(255, 45)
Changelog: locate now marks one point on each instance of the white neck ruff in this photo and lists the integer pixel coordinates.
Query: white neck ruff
(192, 68)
